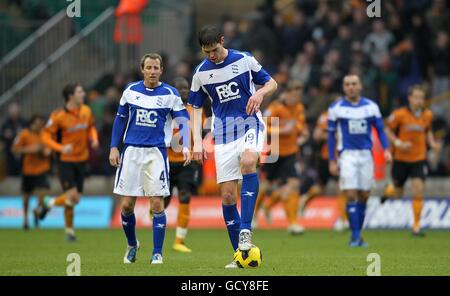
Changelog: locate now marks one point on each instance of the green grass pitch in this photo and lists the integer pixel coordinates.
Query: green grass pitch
(44, 252)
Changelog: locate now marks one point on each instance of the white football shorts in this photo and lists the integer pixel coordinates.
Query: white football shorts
(143, 171)
(356, 170)
(227, 156)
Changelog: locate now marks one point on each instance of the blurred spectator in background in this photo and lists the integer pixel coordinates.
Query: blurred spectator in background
(183, 69)
(438, 17)
(232, 36)
(316, 42)
(407, 67)
(377, 42)
(301, 69)
(343, 45)
(259, 36)
(295, 34)
(360, 26)
(13, 124)
(422, 39)
(128, 29)
(441, 64)
(385, 79)
(395, 26)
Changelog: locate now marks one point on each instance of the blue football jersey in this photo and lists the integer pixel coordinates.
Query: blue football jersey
(229, 85)
(352, 123)
(150, 112)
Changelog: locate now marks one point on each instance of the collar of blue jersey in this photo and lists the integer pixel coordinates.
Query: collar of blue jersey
(152, 88)
(353, 103)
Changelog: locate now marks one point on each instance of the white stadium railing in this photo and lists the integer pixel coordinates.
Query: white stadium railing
(34, 49)
(92, 53)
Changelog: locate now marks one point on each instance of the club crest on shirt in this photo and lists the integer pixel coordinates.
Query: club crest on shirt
(235, 69)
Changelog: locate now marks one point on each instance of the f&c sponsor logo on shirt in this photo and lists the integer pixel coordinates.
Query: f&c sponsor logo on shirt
(146, 117)
(228, 92)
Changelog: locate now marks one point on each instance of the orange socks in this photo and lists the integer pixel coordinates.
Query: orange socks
(389, 191)
(182, 223)
(273, 200)
(60, 201)
(68, 217)
(417, 204)
(342, 203)
(183, 215)
(291, 207)
(258, 203)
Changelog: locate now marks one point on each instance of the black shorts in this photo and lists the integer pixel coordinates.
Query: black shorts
(323, 172)
(71, 174)
(184, 178)
(31, 183)
(401, 171)
(282, 169)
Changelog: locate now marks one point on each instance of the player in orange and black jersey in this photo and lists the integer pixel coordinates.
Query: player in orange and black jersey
(74, 126)
(409, 130)
(184, 177)
(35, 164)
(292, 133)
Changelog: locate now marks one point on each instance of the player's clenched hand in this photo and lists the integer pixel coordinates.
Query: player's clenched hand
(254, 103)
(95, 144)
(199, 156)
(67, 149)
(186, 156)
(387, 156)
(436, 146)
(199, 153)
(333, 167)
(114, 157)
(46, 151)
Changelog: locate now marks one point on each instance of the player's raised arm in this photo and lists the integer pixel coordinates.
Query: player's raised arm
(118, 128)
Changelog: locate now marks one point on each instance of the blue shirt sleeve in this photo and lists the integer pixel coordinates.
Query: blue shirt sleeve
(117, 130)
(197, 95)
(120, 121)
(181, 117)
(378, 123)
(379, 126)
(332, 124)
(259, 74)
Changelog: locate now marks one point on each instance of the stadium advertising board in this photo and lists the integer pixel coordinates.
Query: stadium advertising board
(206, 212)
(91, 212)
(397, 214)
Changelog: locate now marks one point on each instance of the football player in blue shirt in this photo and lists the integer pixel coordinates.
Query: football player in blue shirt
(228, 78)
(144, 124)
(350, 120)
